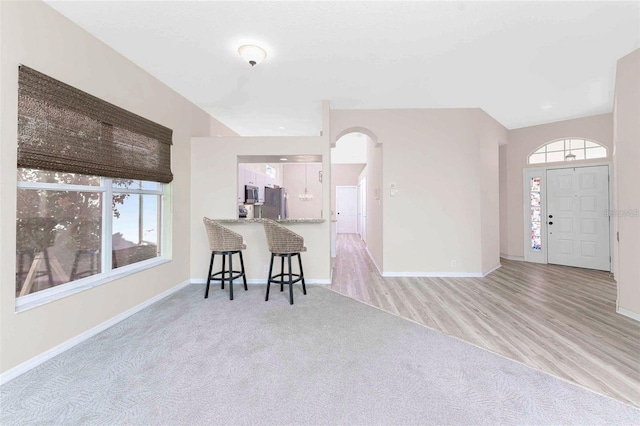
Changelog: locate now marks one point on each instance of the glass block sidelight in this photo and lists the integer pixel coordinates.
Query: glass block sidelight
(535, 213)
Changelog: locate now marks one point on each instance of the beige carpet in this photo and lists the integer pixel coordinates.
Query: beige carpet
(325, 360)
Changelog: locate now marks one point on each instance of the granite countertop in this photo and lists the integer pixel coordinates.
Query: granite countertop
(259, 220)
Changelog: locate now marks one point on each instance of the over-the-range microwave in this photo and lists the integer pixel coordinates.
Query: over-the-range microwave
(250, 194)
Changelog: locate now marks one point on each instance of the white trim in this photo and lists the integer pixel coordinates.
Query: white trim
(374, 261)
(52, 186)
(256, 281)
(628, 313)
(40, 298)
(47, 355)
(509, 257)
(433, 274)
(484, 274)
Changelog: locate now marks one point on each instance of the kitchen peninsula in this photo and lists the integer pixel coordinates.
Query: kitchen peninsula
(216, 183)
(259, 220)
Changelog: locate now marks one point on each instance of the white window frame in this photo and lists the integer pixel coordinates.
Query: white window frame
(566, 151)
(109, 274)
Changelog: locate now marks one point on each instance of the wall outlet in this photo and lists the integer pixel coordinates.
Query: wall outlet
(265, 269)
(453, 263)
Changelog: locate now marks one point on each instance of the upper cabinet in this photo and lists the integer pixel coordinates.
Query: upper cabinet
(252, 174)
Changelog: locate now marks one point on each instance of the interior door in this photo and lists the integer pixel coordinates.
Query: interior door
(577, 217)
(347, 209)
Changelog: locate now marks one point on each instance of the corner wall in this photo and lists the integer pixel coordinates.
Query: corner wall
(34, 34)
(432, 157)
(491, 135)
(523, 141)
(626, 127)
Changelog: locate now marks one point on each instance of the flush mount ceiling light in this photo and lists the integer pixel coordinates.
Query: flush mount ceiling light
(252, 54)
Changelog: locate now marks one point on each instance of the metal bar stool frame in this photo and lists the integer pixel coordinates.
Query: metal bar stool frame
(284, 243)
(225, 242)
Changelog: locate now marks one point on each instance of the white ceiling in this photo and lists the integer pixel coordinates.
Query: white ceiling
(524, 63)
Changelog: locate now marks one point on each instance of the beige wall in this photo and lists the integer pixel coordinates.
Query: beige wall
(373, 174)
(521, 142)
(293, 181)
(33, 34)
(343, 175)
(626, 119)
(431, 155)
(492, 135)
(504, 185)
(213, 185)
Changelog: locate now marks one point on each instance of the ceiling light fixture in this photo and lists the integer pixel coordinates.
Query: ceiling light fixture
(252, 54)
(284, 159)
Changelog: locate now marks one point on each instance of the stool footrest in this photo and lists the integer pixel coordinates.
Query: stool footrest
(225, 277)
(285, 278)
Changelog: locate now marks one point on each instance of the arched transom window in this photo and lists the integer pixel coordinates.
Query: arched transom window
(567, 150)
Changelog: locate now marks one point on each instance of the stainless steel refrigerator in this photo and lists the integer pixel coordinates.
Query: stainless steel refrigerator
(275, 204)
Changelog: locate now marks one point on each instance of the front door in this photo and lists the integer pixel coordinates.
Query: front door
(347, 209)
(577, 217)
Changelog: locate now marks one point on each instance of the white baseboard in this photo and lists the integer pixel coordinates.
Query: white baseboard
(262, 281)
(374, 261)
(628, 313)
(484, 274)
(508, 257)
(47, 355)
(433, 274)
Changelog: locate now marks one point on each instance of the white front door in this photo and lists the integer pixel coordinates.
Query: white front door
(577, 217)
(347, 209)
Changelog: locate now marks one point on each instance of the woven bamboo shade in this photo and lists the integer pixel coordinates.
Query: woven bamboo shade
(64, 129)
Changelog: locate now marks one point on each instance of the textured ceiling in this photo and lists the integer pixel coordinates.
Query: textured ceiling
(524, 63)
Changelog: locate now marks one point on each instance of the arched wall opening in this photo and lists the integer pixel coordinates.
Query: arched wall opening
(356, 171)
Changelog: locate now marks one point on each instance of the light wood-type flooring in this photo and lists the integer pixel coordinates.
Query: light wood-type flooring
(558, 319)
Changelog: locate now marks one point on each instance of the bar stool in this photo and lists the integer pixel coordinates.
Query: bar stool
(284, 243)
(227, 243)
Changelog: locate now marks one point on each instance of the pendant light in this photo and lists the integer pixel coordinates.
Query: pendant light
(570, 156)
(306, 196)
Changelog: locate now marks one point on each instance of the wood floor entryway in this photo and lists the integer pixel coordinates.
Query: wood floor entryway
(558, 319)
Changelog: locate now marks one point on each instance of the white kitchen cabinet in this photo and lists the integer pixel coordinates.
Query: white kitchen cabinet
(260, 182)
(250, 177)
(241, 180)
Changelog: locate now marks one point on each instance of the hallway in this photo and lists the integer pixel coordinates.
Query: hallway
(558, 319)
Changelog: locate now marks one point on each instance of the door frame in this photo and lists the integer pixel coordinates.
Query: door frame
(541, 170)
(336, 206)
(362, 209)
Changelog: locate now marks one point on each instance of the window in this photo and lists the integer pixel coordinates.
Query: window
(568, 150)
(535, 213)
(271, 172)
(71, 226)
(91, 181)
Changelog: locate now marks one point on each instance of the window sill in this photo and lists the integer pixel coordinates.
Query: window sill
(43, 297)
